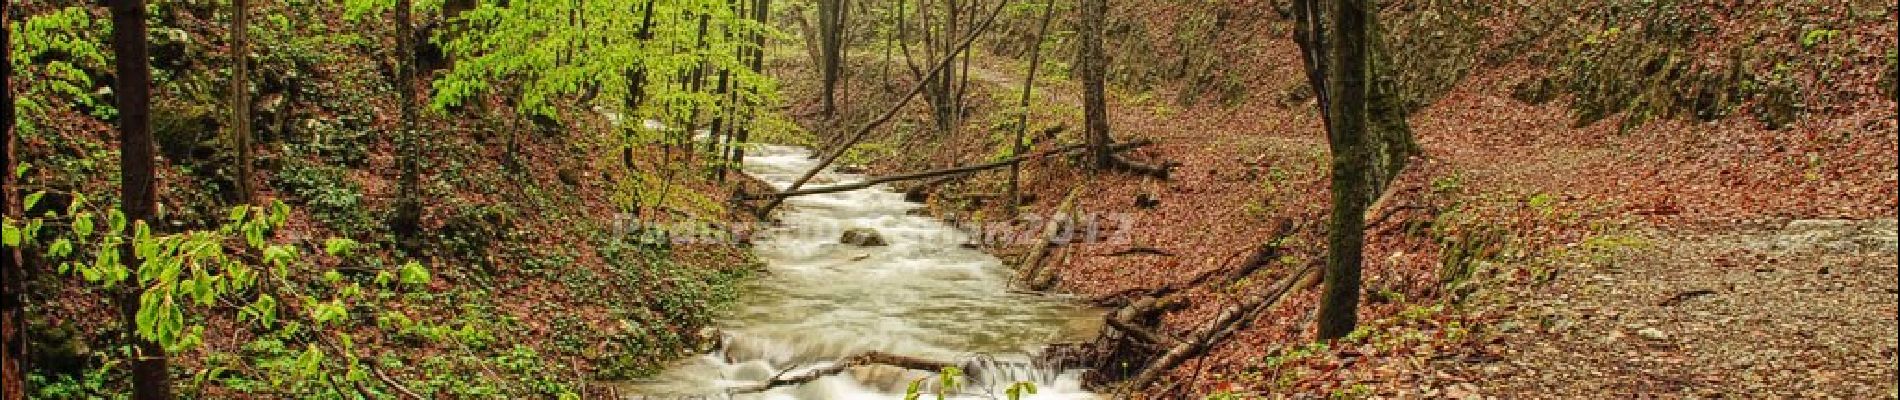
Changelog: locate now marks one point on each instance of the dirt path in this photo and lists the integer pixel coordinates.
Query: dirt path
(1807, 310)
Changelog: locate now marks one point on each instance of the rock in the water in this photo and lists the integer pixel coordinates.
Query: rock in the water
(862, 237)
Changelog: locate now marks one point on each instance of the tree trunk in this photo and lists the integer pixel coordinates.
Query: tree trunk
(12, 262)
(408, 218)
(1022, 120)
(831, 19)
(1339, 302)
(138, 195)
(241, 100)
(1093, 65)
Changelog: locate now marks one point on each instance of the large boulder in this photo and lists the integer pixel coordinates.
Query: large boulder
(866, 237)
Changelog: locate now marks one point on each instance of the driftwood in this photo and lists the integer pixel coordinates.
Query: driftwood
(862, 359)
(1029, 272)
(945, 174)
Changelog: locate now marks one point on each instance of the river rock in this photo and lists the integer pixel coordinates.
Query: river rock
(866, 237)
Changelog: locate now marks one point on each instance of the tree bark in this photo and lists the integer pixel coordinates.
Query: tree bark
(241, 100)
(831, 19)
(1093, 65)
(1022, 120)
(1339, 302)
(138, 195)
(407, 222)
(12, 262)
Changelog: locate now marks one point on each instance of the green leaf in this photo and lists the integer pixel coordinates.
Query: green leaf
(237, 213)
(11, 236)
(60, 248)
(338, 246)
(31, 200)
(412, 273)
(308, 362)
(82, 225)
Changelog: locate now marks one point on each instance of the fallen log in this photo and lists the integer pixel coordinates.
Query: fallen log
(1029, 273)
(1222, 326)
(947, 172)
(861, 359)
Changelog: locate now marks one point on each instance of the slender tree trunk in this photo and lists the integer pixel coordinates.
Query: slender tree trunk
(1339, 302)
(831, 19)
(12, 262)
(760, 14)
(241, 100)
(408, 219)
(1022, 120)
(1094, 71)
(138, 195)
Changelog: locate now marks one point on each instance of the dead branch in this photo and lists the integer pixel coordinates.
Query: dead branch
(944, 174)
(1029, 272)
(1141, 250)
(1151, 338)
(939, 68)
(1219, 328)
(861, 359)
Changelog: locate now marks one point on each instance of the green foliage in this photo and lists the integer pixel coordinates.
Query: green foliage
(57, 54)
(181, 278)
(544, 48)
(331, 195)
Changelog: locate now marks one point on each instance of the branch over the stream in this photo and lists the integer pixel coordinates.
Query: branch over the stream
(889, 113)
(862, 359)
(942, 172)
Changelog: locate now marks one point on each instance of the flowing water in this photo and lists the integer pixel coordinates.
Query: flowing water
(922, 295)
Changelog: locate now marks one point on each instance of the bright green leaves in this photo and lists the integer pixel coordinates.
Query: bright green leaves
(547, 50)
(1017, 390)
(412, 274)
(338, 247)
(11, 235)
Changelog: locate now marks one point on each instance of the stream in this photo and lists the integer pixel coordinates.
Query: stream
(922, 295)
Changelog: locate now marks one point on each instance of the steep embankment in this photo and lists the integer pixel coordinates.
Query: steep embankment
(541, 284)
(1561, 143)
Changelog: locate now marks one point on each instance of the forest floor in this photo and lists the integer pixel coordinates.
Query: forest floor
(1678, 259)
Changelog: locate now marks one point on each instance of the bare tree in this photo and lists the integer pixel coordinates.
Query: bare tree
(1022, 120)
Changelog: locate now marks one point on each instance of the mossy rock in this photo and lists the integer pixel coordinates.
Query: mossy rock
(186, 131)
(1535, 91)
(864, 237)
